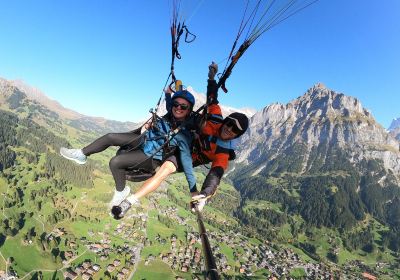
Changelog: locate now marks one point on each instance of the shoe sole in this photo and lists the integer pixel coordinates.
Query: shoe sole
(73, 159)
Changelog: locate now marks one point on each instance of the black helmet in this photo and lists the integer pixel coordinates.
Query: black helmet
(239, 123)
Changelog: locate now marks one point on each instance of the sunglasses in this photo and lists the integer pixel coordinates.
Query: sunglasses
(179, 105)
(233, 125)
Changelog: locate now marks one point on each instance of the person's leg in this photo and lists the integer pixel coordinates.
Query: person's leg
(111, 139)
(118, 165)
(154, 182)
(149, 186)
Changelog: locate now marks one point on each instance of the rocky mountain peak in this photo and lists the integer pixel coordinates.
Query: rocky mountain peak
(324, 156)
(394, 128)
(319, 117)
(319, 103)
(395, 124)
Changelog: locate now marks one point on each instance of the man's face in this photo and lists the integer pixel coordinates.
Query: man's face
(227, 131)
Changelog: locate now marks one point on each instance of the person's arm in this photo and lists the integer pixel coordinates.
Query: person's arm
(218, 167)
(212, 87)
(213, 120)
(212, 181)
(146, 126)
(185, 156)
(168, 99)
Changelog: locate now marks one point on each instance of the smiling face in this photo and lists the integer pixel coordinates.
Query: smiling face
(180, 108)
(226, 132)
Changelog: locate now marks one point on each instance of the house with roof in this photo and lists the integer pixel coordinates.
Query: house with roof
(368, 276)
(69, 274)
(86, 276)
(110, 268)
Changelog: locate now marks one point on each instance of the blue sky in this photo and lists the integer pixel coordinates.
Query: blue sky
(111, 58)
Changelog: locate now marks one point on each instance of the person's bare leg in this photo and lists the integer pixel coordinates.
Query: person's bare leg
(149, 186)
(154, 182)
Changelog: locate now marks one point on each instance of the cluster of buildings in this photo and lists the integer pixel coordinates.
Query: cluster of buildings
(118, 261)
(8, 275)
(248, 258)
(86, 270)
(185, 257)
(171, 211)
(103, 248)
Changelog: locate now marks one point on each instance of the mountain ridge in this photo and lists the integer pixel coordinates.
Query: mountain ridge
(17, 91)
(36, 94)
(394, 128)
(317, 116)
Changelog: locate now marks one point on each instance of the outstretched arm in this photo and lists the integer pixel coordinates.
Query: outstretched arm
(218, 167)
(212, 87)
(185, 156)
(212, 181)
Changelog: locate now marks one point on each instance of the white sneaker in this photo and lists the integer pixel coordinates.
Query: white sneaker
(118, 197)
(73, 154)
(199, 201)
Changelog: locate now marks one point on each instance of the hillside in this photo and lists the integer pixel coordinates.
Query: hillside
(16, 95)
(55, 223)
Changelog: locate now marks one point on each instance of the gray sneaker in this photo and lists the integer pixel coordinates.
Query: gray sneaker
(73, 154)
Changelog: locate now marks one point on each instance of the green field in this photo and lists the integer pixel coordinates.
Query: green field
(298, 273)
(27, 257)
(3, 191)
(263, 204)
(154, 270)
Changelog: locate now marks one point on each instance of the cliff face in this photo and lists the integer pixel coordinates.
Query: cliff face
(394, 128)
(316, 123)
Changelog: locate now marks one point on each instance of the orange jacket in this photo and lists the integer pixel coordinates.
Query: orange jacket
(210, 148)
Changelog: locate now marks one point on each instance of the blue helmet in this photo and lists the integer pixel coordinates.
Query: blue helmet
(185, 95)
